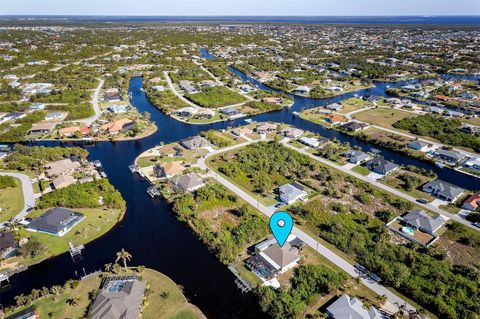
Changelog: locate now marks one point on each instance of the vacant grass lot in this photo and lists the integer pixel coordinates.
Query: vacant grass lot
(11, 201)
(352, 104)
(215, 97)
(382, 117)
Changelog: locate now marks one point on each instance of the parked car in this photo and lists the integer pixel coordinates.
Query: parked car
(422, 200)
(476, 225)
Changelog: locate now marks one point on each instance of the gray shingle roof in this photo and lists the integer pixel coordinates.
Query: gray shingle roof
(443, 189)
(351, 308)
(421, 220)
(55, 220)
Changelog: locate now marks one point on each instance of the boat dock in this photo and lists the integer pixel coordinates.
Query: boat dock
(241, 283)
(153, 192)
(5, 276)
(75, 251)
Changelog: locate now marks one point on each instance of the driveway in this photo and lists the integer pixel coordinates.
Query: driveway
(28, 195)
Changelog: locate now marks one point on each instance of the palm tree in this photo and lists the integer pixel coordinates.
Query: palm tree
(20, 300)
(108, 267)
(402, 309)
(124, 256)
(45, 291)
(382, 299)
(35, 293)
(56, 290)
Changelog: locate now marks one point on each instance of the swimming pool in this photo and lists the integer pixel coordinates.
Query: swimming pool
(407, 230)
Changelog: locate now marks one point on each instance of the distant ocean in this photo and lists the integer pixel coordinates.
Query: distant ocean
(407, 20)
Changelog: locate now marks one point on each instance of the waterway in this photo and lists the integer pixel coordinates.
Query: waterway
(156, 239)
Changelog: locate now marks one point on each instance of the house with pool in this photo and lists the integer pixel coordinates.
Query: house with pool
(418, 226)
(56, 221)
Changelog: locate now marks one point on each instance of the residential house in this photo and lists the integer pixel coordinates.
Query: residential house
(357, 157)
(346, 307)
(443, 190)
(56, 221)
(469, 129)
(205, 114)
(229, 111)
(28, 313)
(270, 259)
(310, 141)
(292, 132)
(242, 131)
(60, 167)
(69, 131)
(168, 169)
(7, 243)
(186, 111)
(63, 181)
(303, 90)
(188, 182)
(187, 86)
(54, 116)
(112, 95)
(158, 88)
(473, 163)
(195, 142)
(418, 146)
(117, 126)
(451, 157)
(382, 166)
(472, 203)
(266, 128)
(336, 119)
(120, 297)
(13, 116)
(419, 219)
(42, 128)
(290, 193)
(118, 109)
(36, 107)
(354, 126)
(334, 107)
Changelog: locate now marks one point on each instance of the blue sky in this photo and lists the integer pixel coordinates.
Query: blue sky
(241, 7)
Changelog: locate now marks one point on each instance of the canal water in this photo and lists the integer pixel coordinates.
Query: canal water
(156, 239)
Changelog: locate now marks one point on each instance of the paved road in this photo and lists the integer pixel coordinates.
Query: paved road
(96, 106)
(28, 195)
(386, 188)
(330, 255)
(180, 96)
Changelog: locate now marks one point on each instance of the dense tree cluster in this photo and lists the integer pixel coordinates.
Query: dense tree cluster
(443, 129)
(215, 97)
(308, 282)
(7, 182)
(228, 241)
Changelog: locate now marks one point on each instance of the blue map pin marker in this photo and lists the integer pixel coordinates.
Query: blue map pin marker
(281, 225)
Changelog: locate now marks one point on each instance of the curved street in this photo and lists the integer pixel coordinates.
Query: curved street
(28, 195)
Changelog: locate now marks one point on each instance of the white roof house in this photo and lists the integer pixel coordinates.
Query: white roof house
(346, 307)
(291, 193)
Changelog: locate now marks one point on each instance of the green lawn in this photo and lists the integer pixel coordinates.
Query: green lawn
(361, 169)
(11, 201)
(352, 104)
(382, 117)
(215, 97)
(96, 223)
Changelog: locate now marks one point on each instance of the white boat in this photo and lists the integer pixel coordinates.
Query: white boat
(248, 120)
(295, 113)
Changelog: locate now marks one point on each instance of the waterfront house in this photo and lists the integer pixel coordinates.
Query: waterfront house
(354, 126)
(60, 167)
(352, 308)
(112, 95)
(56, 221)
(336, 119)
(188, 182)
(68, 131)
(302, 90)
(451, 157)
(334, 107)
(229, 111)
(357, 157)
(117, 126)
(118, 109)
(194, 143)
(420, 220)
(7, 243)
(382, 166)
(266, 128)
(42, 128)
(473, 163)
(270, 259)
(168, 169)
(310, 141)
(443, 190)
(205, 114)
(418, 146)
(120, 297)
(242, 131)
(292, 132)
(290, 193)
(186, 111)
(472, 203)
(63, 181)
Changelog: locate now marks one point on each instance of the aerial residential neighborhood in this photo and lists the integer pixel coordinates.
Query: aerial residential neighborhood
(309, 159)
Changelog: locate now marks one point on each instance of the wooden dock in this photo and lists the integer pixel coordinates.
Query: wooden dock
(241, 283)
